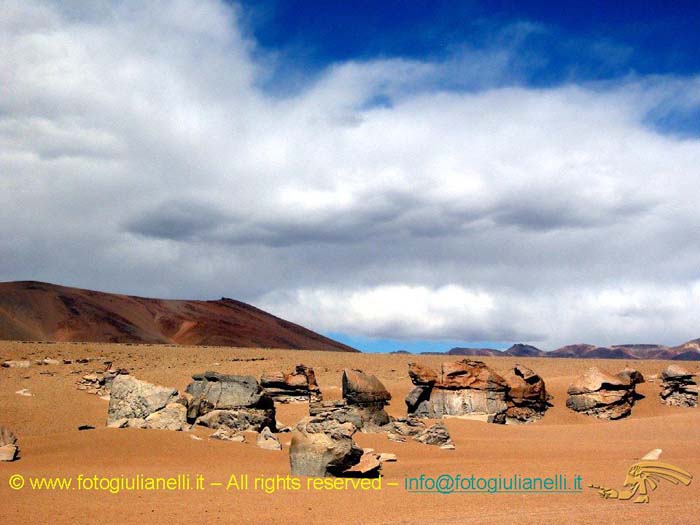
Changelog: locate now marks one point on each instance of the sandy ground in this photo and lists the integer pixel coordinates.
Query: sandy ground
(561, 443)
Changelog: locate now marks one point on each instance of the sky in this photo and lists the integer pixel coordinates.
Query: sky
(397, 175)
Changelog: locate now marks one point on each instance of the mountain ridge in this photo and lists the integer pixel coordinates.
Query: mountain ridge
(39, 311)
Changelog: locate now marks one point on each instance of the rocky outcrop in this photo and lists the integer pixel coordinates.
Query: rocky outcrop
(465, 388)
(322, 446)
(100, 382)
(9, 449)
(236, 402)
(527, 396)
(678, 387)
(600, 394)
(137, 402)
(364, 399)
(299, 385)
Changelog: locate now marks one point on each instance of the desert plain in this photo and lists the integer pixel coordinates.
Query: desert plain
(562, 442)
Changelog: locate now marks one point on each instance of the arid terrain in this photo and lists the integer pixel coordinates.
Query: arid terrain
(36, 311)
(563, 442)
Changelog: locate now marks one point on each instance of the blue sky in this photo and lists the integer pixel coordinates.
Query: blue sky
(414, 175)
(575, 40)
(556, 43)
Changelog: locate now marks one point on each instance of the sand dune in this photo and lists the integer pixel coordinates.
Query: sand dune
(562, 442)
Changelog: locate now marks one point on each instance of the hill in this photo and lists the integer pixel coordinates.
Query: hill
(35, 311)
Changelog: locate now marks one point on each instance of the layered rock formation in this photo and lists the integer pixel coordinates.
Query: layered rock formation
(600, 394)
(466, 388)
(527, 397)
(678, 387)
(364, 399)
(236, 402)
(139, 404)
(299, 385)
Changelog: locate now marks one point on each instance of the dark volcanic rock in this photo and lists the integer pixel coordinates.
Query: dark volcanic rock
(678, 387)
(236, 402)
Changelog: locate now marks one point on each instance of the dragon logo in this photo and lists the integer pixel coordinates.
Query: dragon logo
(644, 476)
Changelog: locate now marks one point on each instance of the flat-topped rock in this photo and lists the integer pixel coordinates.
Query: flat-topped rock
(298, 385)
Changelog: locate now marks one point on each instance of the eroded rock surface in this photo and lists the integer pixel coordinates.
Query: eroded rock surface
(600, 394)
(464, 388)
(527, 396)
(237, 402)
(299, 385)
(131, 398)
(679, 387)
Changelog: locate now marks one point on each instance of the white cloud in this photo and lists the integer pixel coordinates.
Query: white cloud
(138, 154)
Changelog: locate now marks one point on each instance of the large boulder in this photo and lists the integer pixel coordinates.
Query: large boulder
(298, 385)
(360, 388)
(9, 449)
(527, 396)
(236, 402)
(322, 446)
(131, 398)
(364, 399)
(600, 394)
(678, 387)
(465, 388)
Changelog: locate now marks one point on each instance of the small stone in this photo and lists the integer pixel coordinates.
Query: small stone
(268, 441)
(386, 457)
(225, 434)
(16, 364)
(24, 392)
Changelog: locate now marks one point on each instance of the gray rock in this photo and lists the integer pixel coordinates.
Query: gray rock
(172, 417)
(132, 398)
(435, 435)
(242, 419)
(323, 447)
(268, 441)
(233, 395)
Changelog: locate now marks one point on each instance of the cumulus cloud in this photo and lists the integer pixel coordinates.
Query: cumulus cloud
(391, 198)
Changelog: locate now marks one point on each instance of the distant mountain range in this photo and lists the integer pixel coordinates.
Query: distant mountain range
(689, 351)
(35, 311)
